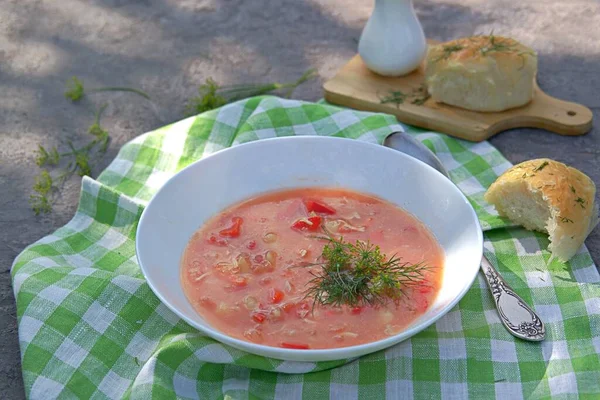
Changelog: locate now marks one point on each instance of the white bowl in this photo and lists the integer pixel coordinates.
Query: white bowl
(208, 186)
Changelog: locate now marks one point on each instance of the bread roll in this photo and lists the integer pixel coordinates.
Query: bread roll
(481, 73)
(548, 196)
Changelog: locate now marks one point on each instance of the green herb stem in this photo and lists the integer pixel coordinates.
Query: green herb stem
(211, 95)
(310, 74)
(121, 89)
(75, 90)
(234, 93)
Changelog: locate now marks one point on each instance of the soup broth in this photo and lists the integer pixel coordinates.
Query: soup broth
(246, 271)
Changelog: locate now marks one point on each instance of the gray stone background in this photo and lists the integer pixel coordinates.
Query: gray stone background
(169, 47)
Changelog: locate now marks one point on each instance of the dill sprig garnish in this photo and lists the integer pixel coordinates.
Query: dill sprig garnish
(496, 45)
(503, 46)
(566, 220)
(581, 201)
(448, 50)
(541, 166)
(360, 274)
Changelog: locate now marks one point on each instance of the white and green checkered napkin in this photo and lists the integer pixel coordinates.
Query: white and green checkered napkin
(90, 327)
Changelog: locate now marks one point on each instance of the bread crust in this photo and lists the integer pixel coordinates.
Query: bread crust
(480, 49)
(569, 194)
(481, 73)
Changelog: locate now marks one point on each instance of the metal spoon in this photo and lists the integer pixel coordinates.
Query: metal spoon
(518, 318)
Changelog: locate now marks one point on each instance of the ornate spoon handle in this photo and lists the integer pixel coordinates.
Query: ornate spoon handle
(517, 317)
(515, 314)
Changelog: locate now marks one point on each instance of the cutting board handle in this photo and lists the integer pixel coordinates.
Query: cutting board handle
(555, 115)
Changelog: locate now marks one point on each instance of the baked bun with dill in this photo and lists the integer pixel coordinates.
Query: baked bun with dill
(551, 197)
(481, 73)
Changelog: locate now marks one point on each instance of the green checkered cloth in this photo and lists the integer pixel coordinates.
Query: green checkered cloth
(90, 327)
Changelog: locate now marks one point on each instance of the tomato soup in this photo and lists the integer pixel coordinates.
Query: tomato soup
(248, 269)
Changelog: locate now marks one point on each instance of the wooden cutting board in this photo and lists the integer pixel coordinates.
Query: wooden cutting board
(357, 87)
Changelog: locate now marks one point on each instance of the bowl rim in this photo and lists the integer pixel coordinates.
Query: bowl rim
(309, 355)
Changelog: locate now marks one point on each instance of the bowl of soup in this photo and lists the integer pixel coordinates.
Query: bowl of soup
(309, 248)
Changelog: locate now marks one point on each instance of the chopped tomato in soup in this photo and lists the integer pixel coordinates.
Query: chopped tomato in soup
(234, 230)
(316, 207)
(247, 269)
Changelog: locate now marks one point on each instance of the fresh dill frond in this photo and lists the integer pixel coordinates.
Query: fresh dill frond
(75, 89)
(572, 189)
(211, 95)
(101, 135)
(43, 183)
(40, 204)
(359, 273)
(96, 130)
(207, 98)
(566, 220)
(541, 166)
(45, 157)
(78, 162)
(40, 200)
(82, 162)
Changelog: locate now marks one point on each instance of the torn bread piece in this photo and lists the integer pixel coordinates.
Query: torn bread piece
(548, 196)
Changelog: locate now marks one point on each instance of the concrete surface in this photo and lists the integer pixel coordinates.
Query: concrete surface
(169, 47)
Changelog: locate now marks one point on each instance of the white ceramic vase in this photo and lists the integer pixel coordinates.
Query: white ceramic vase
(393, 42)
